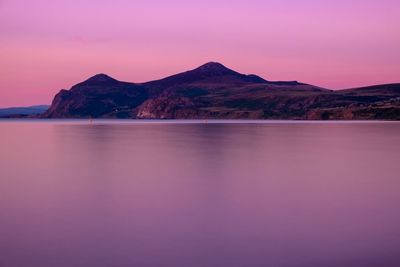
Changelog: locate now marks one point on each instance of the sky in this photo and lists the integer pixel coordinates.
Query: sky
(48, 45)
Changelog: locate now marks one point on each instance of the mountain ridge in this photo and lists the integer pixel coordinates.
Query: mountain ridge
(213, 91)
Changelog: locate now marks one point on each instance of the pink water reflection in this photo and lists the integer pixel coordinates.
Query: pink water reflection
(166, 194)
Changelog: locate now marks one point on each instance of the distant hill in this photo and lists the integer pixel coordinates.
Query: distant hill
(213, 91)
(23, 111)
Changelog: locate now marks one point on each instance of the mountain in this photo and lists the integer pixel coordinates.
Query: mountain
(213, 91)
(211, 72)
(23, 111)
(98, 96)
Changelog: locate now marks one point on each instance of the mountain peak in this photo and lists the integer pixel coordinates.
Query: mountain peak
(211, 72)
(100, 78)
(214, 67)
(212, 64)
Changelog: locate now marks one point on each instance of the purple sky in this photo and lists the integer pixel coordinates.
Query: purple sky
(47, 45)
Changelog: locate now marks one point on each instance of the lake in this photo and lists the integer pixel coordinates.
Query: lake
(75, 193)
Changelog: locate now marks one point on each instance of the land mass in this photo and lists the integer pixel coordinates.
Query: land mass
(213, 91)
(21, 112)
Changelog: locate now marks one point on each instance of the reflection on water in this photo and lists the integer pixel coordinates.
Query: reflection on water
(171, 194)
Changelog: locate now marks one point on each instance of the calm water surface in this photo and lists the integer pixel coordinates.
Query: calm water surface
(191, 194)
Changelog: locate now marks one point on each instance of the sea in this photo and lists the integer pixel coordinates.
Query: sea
(207, 193)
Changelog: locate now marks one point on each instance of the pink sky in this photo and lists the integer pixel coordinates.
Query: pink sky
(47, 45)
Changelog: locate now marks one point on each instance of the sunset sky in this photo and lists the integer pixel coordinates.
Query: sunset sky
(47, 45)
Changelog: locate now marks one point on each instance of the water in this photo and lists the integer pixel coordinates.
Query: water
(172, 194)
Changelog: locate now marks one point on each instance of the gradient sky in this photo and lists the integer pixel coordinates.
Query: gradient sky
(47, 45)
